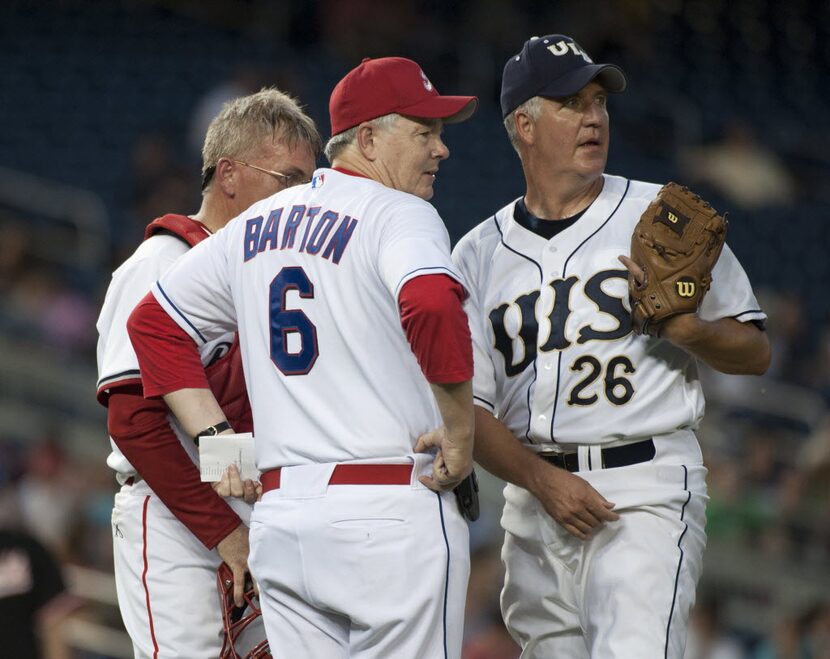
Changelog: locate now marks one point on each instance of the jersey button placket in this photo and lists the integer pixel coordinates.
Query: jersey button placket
(551, 263)
(544, 387)
(544, 390)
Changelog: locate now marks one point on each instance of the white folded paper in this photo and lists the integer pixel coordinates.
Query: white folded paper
(219, 452)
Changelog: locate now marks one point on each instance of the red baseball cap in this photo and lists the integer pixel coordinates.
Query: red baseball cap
(392, 84)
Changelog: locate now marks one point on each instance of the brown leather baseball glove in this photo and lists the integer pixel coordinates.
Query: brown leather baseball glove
(676, 242)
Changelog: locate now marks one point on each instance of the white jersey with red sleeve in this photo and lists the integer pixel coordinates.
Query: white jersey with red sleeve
(164, 534)
(117, 362)
(311, 278)
(555, 357)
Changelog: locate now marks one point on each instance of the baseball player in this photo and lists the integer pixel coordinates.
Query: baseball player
(357, 357)
(170, 530)
(591, 425)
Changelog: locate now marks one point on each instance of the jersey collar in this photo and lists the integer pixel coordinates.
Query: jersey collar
(349, 172)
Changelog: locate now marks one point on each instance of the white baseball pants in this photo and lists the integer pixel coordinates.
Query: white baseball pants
(368, 571)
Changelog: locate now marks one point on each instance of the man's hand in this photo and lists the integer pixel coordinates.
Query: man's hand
(571, 501)
(233, 549)
(453, 460)
(231, 485)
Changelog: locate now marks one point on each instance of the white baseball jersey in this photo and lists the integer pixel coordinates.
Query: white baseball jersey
(117, 363)
(555, 357)
(311, 277)
(557, 362)
(165, 577)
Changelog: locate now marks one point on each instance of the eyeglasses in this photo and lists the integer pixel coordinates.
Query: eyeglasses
(287, 180)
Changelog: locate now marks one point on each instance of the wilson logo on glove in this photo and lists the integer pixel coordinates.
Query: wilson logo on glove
(686, 287)
(672, 218)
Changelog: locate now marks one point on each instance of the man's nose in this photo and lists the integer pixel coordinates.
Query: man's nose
(441, 150)
(594, 115)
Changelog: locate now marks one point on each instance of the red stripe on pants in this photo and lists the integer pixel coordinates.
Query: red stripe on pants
(144, 579)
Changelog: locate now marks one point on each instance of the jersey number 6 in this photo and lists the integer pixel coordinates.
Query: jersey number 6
(285, 322)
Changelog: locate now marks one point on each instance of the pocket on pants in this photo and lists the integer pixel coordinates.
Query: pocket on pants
(365, 522)
(561, 545)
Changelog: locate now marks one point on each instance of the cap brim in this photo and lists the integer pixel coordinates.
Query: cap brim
(452, 109)
(610, 76)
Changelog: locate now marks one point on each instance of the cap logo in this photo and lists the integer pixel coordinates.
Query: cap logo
(562, 47)
(427, 83)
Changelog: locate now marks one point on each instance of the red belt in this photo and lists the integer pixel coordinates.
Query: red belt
(352, 474)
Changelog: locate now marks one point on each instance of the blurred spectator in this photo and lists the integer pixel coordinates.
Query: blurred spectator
(364, 28)
(786, 326)
(14, 247)
(492, 641)
(67, 321)
(485, 636)
(34, 603)
(804, 636)
(243, 81)
(160, 182)
(48, 496)
(814, 457)
(818, 632)
(731, 514)
(819, 376)
(740, 168)
(46, 310)
(782, 643)
(707, 637)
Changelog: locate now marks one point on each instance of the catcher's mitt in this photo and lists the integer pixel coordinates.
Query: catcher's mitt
(676, 242)
(244, 632)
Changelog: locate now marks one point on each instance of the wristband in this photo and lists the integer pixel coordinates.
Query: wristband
(213, 430)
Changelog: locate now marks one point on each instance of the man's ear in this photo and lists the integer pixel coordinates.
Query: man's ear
(227, 176)
(366, 140)
(525, 127)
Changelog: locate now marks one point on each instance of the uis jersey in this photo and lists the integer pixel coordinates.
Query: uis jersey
(555, 357)
(311, 276)
(117, 362)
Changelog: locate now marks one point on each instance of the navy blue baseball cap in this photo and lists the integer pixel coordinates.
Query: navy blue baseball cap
(553, 66)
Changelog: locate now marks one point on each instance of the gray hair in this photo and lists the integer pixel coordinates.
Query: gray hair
(531, 107)
(340, 141)
(244, 123)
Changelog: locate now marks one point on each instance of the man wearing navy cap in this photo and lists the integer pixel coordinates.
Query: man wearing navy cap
(358, 360)
(590, 424)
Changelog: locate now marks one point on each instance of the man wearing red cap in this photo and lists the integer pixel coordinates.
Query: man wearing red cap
(358, 362)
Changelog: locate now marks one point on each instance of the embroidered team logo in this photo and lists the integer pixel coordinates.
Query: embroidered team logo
(318, 180)
(686, 287)
(563, 47)
(425, 80)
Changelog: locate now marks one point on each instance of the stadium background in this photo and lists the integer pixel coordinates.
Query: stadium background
(103, 104)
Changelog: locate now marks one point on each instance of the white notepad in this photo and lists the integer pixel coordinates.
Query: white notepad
(217, 453)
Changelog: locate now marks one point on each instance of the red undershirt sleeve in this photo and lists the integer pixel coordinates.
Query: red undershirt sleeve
(167, 356)
(141, 430)
(436, 327)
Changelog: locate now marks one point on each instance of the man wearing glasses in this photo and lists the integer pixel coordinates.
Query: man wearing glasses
(170, 530)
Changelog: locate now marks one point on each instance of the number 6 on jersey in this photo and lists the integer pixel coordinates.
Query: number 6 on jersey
(287, 321)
